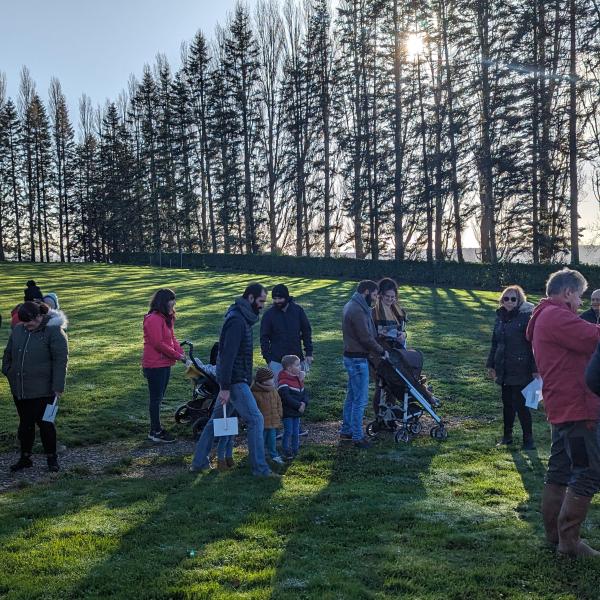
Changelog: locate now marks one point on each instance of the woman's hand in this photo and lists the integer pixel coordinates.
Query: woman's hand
(491, 373)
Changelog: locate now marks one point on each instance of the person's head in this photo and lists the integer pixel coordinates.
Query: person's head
(256, 294)
(388, 291)
(163, 302)
(32, 292)
(596, 300)
(291, 364)
(280, 295)
(31, 314)
(568, 286)
(265, 376)
(512, 297)
(368, 289)
(51, 300)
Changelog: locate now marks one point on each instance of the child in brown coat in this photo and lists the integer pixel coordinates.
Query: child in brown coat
(269, 404)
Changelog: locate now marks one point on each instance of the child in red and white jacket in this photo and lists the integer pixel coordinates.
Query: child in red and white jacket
(294, 400)
(161, 352)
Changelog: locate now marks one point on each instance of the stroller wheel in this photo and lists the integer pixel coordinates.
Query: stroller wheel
(402, 435)
(415, 427)
(438, 432)
(372, 429)
(182, 414)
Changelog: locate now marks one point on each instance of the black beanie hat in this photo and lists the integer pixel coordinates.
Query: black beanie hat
(280, 291)
(32, 292)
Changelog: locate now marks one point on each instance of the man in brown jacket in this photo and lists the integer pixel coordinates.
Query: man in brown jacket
(360, 341)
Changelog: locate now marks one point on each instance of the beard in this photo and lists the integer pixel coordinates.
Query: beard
(369, 299)
(256, 308)
(281, 305)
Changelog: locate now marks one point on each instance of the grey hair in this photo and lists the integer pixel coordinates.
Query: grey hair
(565, 280)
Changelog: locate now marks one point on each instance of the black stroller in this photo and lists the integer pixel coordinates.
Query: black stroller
(205, 390)
(403, 397)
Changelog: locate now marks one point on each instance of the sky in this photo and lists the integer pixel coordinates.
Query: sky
(92, 47)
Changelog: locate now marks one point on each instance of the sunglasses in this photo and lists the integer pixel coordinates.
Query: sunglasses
(509, 299)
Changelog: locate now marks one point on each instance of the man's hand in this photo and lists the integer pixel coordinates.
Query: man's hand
(309, 360)
(535, 375)
(301, 376)
(302, 407)
(491, 373)
(58, 394)
(224, 396)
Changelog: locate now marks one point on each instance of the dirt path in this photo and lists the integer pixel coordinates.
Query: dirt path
(143, 460)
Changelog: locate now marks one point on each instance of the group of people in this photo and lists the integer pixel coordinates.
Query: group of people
(35, 362)
(551, 341)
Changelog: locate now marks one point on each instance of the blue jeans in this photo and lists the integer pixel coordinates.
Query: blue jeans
(243, 402)
(225, 447)
(357, 396)
(291, 435)
(158, 379)
(270, 437)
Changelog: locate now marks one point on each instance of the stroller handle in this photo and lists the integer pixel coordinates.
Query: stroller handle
(191, 348)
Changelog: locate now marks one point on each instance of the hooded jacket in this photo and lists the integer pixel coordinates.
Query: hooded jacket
(292, 392)
(562, 345)
(269, 404)
(283, 332)
(511, 355)
(234, 363)
(358, 329)
(161, 348)
(35, 362)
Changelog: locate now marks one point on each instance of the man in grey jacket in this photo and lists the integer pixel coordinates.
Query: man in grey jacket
(360, 341)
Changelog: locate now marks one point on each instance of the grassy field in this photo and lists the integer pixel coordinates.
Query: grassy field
(457, 520)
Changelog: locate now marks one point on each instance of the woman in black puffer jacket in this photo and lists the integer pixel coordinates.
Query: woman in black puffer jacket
(511, 363)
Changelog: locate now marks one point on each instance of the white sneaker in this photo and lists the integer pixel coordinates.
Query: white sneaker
(278, 460)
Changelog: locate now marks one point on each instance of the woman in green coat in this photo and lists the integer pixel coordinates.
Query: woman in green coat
(35, 363)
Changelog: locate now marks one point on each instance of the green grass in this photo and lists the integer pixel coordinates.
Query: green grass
(456, 520)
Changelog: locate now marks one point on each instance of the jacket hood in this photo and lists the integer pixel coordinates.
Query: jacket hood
(545, 304)
(57, 318)
(244, 307)
(360, 300)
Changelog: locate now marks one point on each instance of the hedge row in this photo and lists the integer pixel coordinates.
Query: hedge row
(444, 274)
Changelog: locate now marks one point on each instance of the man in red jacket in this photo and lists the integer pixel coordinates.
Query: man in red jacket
(562, 345)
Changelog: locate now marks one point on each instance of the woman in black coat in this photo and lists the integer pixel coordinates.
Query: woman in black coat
(511, 363)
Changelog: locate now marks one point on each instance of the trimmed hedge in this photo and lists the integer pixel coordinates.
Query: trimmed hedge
(444, 274)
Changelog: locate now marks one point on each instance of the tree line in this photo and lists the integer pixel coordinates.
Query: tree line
(383, 127)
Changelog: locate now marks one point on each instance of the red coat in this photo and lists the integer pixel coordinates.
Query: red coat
(161, 348)
(563, 345)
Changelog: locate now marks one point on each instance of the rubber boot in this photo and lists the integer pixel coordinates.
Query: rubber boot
(552, 500)
(222, 465)
(24, 462)
(572, 515)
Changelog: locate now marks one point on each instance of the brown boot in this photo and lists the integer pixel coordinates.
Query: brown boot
(230, 462)
(572, 515)
(552, 500)
(222, 465)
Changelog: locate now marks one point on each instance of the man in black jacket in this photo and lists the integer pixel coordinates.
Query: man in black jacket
(234, 374)
(284, 329)
(592, 315)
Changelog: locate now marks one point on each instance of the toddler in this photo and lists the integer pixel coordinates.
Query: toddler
(269, 404)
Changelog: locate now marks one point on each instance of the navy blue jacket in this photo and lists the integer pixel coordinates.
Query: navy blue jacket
(292, 393)
(590, 316)
(283, 332)
(234, 362)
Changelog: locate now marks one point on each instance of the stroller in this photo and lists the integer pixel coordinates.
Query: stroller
(205, 390)
(403, 397)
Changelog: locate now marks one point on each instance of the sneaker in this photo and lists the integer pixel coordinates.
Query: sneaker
(161, 436)
(362, 444)
(278, 460)
(193, 469)
(505, 441)
(52, 461)
(303, 432)
(345, 437)
(279, 436)
(24, 462)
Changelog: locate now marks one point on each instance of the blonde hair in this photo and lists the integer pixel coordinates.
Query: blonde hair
(289, 360)
(518, 290)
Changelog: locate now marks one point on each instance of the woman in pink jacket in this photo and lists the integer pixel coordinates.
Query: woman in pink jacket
(161, 352)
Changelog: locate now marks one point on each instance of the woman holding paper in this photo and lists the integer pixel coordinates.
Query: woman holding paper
(35, 363)
(510, 362)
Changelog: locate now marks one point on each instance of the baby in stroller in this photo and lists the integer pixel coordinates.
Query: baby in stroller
(401, 394)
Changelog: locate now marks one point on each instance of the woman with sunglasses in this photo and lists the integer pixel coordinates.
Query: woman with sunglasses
(511, 363)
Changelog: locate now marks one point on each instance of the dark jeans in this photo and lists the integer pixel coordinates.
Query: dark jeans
(514, 404)
(575, 457)
(158, 380)
(31, 412)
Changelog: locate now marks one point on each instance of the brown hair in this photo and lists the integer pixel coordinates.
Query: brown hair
(160, 303)
(289, 360)
(28, 311)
